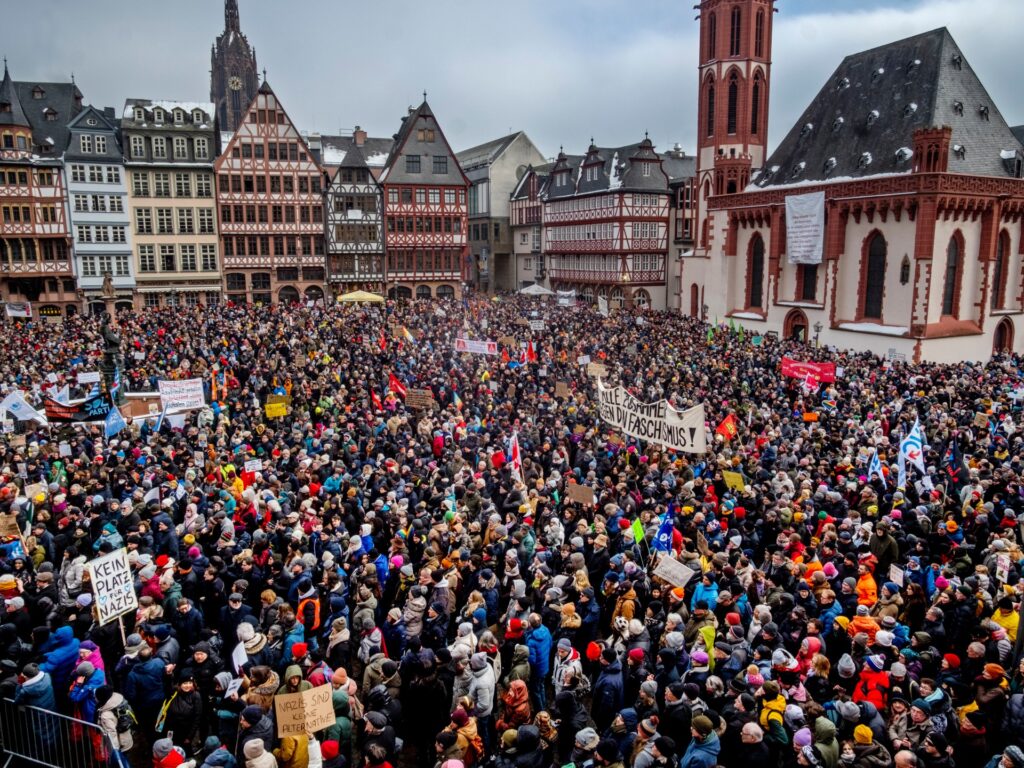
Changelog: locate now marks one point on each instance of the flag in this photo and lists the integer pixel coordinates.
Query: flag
(114, 423)
(63, 395)
(16, 405)
(160, 421)
(395, 385)
(912, 449)
(743, 335)
(954, 467)
(515, 461)
(407, 335)
(504, 355)
(382, 342)
(711, 335)
(94, 391)
(115, 386)
(875, 467)
(456, 400)
(732, 325)
(375, 399)
(663, 538)
(531, 353)
(638, 531)
(728, 428)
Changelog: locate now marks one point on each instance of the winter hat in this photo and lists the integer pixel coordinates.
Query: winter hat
(876, 662)
(608, 750)
(846, 666)
(923, 705)
(460, 717)
(898, 670)
(299, 650)
(212, 743)
(253, 749)
(478, 661)
(103, 694)
(564, 643)
(649, 725)
(587, 739)
(650, 687)
(702, 725)
(699, 658)
(849, 710)
(862, 735)
(329, 749)
(803, 737)
(993, 671)
(1016, 756)
(884, 638)
(252, 714)
(85, 669)
(862, 610)
(162, 748)
(636, 654)
(891, 586)
(952, 660)
(850, 582)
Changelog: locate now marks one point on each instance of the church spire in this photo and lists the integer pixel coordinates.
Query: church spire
(231, 21)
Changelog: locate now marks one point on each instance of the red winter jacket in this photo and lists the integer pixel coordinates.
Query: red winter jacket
(873, 687)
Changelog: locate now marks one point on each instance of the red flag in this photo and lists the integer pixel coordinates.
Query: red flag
(504, 355)
(531, 353)
(395, 385)
(515, 461)
(375, 399)
(728, 428)
(382, 342)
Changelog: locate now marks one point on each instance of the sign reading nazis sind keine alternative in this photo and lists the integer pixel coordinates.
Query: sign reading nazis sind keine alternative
(658, 422)
(307, 712)
(181, 395)
(112, 585)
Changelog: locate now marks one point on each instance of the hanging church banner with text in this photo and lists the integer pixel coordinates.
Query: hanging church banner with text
(805, 228)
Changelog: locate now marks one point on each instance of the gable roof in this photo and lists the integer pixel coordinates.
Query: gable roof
(343, 152)
(488, 152)
(14, 115)
(867, 112)
(37, 101)
(522, 190)
(407, 143)
(618, 168)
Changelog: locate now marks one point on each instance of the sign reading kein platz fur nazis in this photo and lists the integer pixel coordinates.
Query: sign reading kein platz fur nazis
(307, 712)
(112, 585)
(658, 422)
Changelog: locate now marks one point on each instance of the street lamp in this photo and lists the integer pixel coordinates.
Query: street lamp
(817, 332)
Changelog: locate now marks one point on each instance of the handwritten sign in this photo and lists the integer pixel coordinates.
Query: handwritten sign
(111, 578)
(536, 325)
(734, 480)
(896, 575)
(674, 572)
(307, 712)
(181, 394)
(275, 410)
(598, 370)
(583, 360)
(420, 399)
(89, 377)
(981, 420)
(253, 465)
(9, 526)
(582, 494)
(561, 389)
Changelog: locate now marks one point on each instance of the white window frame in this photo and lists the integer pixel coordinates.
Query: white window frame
(85, 145)
(180, 148)
(147, 258)
(159, 147)
(138, 148)
(208, 254)
(202, 148)
(101, 145)
(188, 258)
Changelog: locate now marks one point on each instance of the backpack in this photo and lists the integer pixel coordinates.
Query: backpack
(126, 720)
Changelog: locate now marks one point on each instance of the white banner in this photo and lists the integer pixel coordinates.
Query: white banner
(112, 585)
(18, 309)
(805, 228)
(89, 377)
(658, 422)
(182, 395)
(476, 347)
(566, 298)
(602, 306)
(536, 325)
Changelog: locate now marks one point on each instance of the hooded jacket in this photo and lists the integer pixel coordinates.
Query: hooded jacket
(702, 753)
(825, 741)
(106, 718)
(481, 690)
(61, 655)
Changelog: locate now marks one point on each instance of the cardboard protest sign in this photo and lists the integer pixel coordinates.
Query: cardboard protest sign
(583, 494)
(674, 572)
(89, 377)
(507, 341)
(536, 325)
(419, 399)
(112, 585)
(253, 465)
(597, 369)
(981, 420)
(34, 489)
(561, 389)
(275, 410)
(734, 480)
(307, 712)
(896, 575)
(9, 526)
(583, 360)
(286, 399)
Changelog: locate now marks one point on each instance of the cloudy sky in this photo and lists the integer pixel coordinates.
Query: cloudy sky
(562, 70)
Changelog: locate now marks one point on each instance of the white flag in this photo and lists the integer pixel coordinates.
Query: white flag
(16, 405)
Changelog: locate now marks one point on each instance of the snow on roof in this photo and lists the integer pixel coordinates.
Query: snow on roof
(170, 106)
(377, 158)
(332, 155)
(615, 182)
(753, 187)
(1008, 154)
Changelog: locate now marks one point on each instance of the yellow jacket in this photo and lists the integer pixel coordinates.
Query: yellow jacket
(1009, 622)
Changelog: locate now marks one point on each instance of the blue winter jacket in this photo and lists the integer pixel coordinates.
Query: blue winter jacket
(702, 754)
(61, 656)
(84, 694)
(708, 594)
(538, 641)
(144, 686)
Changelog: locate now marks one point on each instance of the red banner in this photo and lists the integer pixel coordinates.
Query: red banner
(822, 372)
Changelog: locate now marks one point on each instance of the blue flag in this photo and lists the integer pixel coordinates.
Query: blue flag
(663, 539)
(115, 422)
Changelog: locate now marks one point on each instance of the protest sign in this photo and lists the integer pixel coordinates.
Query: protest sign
(475, 346)
(598, 370)
(91, 409)
(821, 372)
(561, 389)
(307, 712)
(419, 399)
(64, 449)
(734, 480)
(981, 420)
(89, 377)
(253, 465)
(1002, 568)
(286, 399)
(896, 575)
(658, 422)
(583, 360)
(9, 526)
(34, 489)
(508, 341)
(536, 325)
(239, 657)
(275, 410)
(181, 395)
(672, 571)
(112, 586)
(582, 494)
(510, 393)
(7, 426)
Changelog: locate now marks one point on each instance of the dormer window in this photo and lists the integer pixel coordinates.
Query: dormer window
(646, 168)
(865, 160)
(158, 115)
(830, 165)
(5, 106)
(910, 109)
(958, 107)
(842, 83)
(140, 115)
(197, 116)
(957, 61)
(960, 151)
(877, 74)
(797, 169)
(806, 130)
(50, 115)
(903, 154)
(837, 124)
(38, 93)
(983, 112)
(179, 116)
(912, 66)
(872, 118)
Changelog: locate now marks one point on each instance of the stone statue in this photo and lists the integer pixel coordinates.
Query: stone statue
(111, 352)
(108, 285)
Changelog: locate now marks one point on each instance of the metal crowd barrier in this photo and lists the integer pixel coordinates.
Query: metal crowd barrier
(40, 737)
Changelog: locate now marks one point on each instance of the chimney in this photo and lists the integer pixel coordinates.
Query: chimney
(359, 135)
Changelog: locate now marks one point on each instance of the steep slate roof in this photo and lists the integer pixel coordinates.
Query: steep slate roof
(620, 168)
(679, 168)
(62, 100)
(868, 110)
(407, 143)
(1018, 131)
(9, 96)
(542, 172)
(486, 153)
(106, 122)
(342, 152)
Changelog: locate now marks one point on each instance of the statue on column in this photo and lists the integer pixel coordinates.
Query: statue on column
(111, 366)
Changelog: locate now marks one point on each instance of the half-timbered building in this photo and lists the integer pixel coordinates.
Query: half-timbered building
(526, 217)
(913, 245)
(270, 209)
(354, 231)
(35, 239)
(425, 211)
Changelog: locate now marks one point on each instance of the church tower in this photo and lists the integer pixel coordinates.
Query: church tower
(233, 74)
(735, 74)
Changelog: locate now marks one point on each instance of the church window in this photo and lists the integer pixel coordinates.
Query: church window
(874, 285)
(950, 304)
(735, 31)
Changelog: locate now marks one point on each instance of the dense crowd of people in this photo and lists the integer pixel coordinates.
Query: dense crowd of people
(464, 606)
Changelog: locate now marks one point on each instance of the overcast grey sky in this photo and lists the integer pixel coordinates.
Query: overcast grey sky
(562, 70)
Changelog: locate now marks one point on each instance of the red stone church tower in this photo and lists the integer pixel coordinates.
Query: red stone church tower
(735, 73)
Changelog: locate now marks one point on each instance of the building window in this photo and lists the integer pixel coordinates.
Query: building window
(84, 234)
(185, 221)
(759, 34)
(101, 145)
(755, 271)
(412, 163)
(735, 31)
(755, 106)
(235, 281)
(164, 221)
(85, 144)
(138, 146)
(711, 111)
(140, 184)
(88, 266)
(121, 264)
(147, 258)
(449, 197)
(1002, 269)
(182, 185)
(212, 298)
(950, 304)
(143, 221)
(151, 300)
(188, 258)
(81, 203)
(113, 175)
(78, 173)
(712, 35)
(440, 164)
(159, 147)
(204, 186)
(874, 284)
(206, 221)
(167, 261)
(733, 108)
(202, 147)
(809, 282)
(162, 184)
(209, 256)
(905, 270)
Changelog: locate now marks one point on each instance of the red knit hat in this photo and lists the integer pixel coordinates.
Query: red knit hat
(593, 651)
(299, 650)
(732, 619)
(636, 655)
(953, 660)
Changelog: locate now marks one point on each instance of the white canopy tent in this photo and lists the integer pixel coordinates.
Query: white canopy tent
(536, 290)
